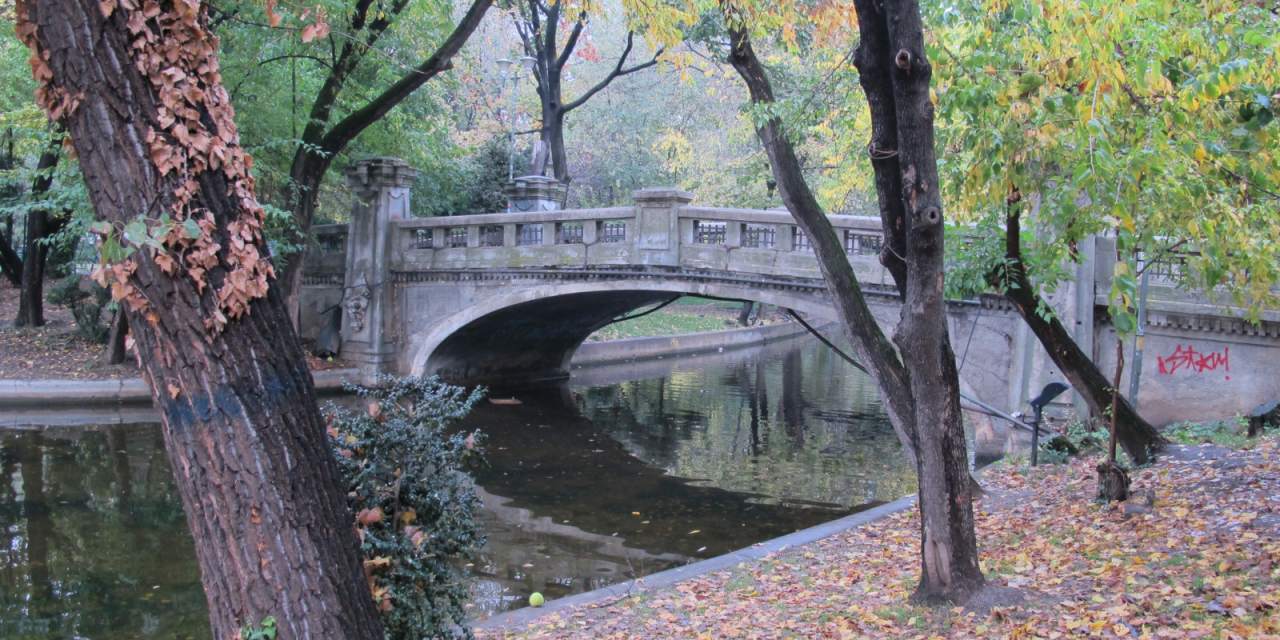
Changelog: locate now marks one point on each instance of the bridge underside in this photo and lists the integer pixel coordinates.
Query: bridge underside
(531, 341)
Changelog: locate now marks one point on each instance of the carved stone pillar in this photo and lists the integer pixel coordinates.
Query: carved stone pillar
(381, 189)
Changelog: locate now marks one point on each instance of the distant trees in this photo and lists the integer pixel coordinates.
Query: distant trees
(345, 80)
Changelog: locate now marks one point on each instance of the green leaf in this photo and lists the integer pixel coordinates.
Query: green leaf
(191, 230)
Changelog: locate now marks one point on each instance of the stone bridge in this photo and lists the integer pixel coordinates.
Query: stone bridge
(507, 297)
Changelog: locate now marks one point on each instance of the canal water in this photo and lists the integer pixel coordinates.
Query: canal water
(627, 471)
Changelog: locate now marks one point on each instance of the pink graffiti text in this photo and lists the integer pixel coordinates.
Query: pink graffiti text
(1186, 358)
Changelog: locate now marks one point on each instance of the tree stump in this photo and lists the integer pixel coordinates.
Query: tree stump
(1113, 482)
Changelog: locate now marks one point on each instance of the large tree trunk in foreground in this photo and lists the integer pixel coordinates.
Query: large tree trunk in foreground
(41, 225)
(920, 391)
(141, 98)
(1139, 439)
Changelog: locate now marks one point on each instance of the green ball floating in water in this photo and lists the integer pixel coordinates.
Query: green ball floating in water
(536, 599)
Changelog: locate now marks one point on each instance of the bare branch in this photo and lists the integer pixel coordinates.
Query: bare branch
(617, 72)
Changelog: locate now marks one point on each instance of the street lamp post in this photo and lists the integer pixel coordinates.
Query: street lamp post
(510, 72)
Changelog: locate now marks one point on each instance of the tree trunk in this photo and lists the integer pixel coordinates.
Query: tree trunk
(882, 149)
(116, 351)
(150, 121)
(921, 391)
(307, 172)
(10, 262)
(553, 137)
(36, 253)
(949, 549)
(31, 292)
(1139, 439)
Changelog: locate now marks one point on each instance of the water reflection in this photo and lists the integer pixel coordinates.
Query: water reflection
(628, 471)
(697, 458)
(95, 541)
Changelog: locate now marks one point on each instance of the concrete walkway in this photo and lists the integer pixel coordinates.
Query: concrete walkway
(78, 393)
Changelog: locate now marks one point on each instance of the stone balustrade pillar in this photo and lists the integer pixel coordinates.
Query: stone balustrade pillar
(657, 225)
(381, 189)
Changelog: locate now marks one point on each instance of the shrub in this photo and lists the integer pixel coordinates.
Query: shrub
(415, 506)
(86, 302)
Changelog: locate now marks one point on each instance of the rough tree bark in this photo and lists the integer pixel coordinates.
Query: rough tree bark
(322, 142)
(920, 390)
(538, 24)
(1139, 439)
(137, 85)
(41, 225)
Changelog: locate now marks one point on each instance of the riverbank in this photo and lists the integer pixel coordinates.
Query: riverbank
(1195, 555)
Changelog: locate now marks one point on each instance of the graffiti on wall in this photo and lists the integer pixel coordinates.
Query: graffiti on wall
(1187, 358)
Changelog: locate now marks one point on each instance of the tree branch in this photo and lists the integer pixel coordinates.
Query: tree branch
(617, 72)
(873, 74)
(869, 342)
(298, 56)
(352, 125)
(572, 41)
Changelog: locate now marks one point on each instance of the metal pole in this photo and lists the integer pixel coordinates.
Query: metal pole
(511, 127)
(1035, 436)
(1139, 338)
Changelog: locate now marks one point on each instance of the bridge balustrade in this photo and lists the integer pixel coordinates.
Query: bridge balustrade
(748, 241)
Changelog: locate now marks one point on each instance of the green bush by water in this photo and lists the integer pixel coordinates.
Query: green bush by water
(415, 506)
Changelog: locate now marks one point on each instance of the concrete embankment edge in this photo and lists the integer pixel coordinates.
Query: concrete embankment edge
(62, 393)
(664, 579)
(630, 349)
(76, 393)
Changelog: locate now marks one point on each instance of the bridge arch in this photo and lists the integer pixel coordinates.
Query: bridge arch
(532, 332)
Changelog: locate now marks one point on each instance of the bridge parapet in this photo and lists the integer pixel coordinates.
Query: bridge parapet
(662, 229)
(537, 239)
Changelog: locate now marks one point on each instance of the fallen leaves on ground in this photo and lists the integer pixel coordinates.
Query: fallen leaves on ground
(57, 351)
(1201, 562)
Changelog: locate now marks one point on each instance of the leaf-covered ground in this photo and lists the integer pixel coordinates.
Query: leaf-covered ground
(57, 351)
(1203, 561)
(52, 351)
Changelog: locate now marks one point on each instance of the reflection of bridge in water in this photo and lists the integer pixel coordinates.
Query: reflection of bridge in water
(503, 297)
